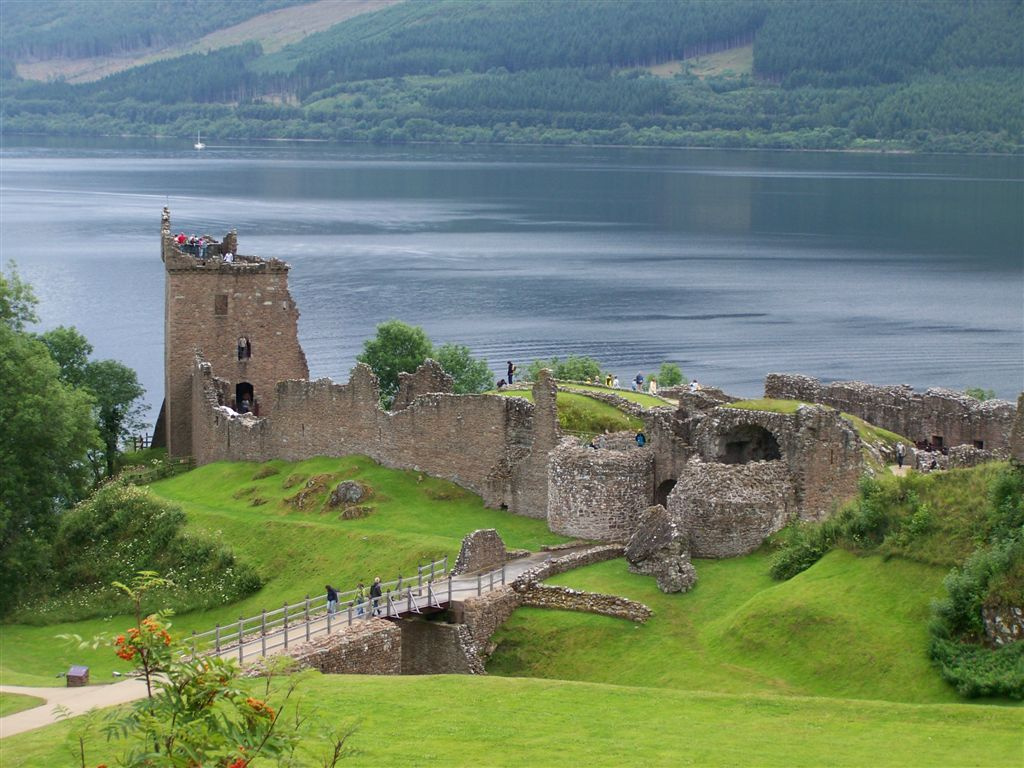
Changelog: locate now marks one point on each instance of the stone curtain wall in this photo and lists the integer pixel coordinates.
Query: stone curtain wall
(1017, 436)
(954, 416)
(492, 445)
(428, 378)
(256, 304)
(367, 647)
(727, 510)
(598, 494)
(481, 550)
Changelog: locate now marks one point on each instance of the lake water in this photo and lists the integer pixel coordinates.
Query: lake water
(890, 269)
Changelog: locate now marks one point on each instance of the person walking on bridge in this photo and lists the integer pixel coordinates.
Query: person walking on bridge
(332, 600)
(375, 594)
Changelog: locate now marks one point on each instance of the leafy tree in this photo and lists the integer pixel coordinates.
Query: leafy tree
(119, 411)
(114, 387)
(575, 368)
(70, 350)
(980, 394)
(17, 301)
(669, 375)
(470, 375)
(396, 348)
(46, 431)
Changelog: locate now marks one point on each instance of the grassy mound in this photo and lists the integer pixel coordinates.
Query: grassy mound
(851, 627)
(296, 552)
(474, 721)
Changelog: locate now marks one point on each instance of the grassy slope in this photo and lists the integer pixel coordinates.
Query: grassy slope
(868, 432)
(480, 721)
(848, 627)
(297, 551)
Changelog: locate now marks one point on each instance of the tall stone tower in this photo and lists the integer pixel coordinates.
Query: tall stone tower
(236, 311)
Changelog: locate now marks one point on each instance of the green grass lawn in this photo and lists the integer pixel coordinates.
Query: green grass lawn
(491, 721)
(16, 702)
(641, 398)
(848, 627)
(415, 518)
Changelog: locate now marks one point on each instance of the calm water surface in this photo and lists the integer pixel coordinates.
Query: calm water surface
(890, 269)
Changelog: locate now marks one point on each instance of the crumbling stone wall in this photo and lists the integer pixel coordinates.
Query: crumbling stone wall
(483, 615)
(598, 494)
(428, 378)
(567, 562)
(730, 509)
(961, 456)
(492, 445)
(481, 550)
(209, 304)
(566, 599)
(370, 647)
(1017, 436)
(953, 416)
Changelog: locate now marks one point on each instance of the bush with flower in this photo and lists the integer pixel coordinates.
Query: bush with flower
(198, 712)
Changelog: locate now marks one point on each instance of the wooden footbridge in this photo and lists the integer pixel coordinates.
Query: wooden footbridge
(433, 589)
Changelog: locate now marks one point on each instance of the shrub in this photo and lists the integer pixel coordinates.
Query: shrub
(120, 530)
(575, 368)
(669, 375)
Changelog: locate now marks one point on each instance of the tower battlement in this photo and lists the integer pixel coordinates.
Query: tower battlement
(234, 310)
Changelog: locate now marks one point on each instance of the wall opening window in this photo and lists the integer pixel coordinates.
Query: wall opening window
(979, 444)
(244, 399)
(661, 494)
(748, 442)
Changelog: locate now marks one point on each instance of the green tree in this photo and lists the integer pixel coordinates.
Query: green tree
(396, 348)
(118, 409)
(114, 387)
(669, 375)
(46, 432)
(470, 375)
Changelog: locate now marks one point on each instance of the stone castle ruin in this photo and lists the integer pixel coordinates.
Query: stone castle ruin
(237, 388)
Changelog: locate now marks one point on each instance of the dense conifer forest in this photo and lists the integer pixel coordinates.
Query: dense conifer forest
(928, 75)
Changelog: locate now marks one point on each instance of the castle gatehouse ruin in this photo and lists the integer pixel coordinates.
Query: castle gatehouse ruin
(237, 388)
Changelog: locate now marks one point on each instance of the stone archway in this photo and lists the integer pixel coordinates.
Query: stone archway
(663, 491)
(747, 442)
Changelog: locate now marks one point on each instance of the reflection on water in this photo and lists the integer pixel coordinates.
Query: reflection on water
(892, 269)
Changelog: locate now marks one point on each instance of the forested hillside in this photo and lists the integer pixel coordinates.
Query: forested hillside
(921, 74)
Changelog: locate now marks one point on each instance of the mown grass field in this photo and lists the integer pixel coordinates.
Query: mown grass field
(493, 721)
(16, 702)
(584, 415)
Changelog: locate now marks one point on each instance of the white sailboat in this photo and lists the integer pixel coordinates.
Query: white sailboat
(199, 142)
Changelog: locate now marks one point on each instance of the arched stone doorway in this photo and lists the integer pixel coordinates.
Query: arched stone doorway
(748, 442)
(244, 397)
(663, 491)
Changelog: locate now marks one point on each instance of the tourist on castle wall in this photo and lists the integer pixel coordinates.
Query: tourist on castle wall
(511, 372)
(332, 600)
(652, 387)
(641, 439)
(901, 453)
(615, 382)
(375, 594)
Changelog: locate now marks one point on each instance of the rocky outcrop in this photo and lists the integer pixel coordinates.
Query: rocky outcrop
(659, 548)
